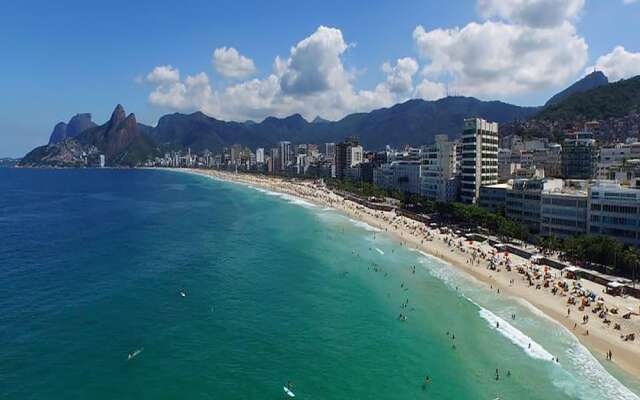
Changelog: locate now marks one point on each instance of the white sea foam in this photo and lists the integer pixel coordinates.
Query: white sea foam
(298, 201)
(364, 225)
(379, 251)
(289, 198)
(443, 270)
(592, 371)
(259, 189)
(514, 335)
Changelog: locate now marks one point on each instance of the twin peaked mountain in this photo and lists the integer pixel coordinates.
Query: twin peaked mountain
(121, 140)
(124, 142)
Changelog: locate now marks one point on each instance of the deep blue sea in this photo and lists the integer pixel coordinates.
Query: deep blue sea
(144, 284)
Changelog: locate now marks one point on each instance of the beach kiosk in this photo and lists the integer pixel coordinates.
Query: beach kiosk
(570, 272)
(536, 259)
(615, 288)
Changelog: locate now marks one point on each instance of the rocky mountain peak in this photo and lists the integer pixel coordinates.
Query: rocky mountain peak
(118, 115)
(59, 133)
(130, 123)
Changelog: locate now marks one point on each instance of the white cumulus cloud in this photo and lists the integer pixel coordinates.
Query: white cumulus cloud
(231, 64)
(429, 90)
(618, 64)
(314, 64)
(400, 76)
(193, 92)
(524, 46)
(163, 74)
(534, 13)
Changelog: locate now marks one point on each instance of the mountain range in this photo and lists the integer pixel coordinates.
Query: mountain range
(123, 141)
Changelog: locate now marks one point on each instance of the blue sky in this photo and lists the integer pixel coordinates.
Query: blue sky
(61, 58)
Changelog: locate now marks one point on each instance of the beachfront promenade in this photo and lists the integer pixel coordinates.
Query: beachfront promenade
(602, 322)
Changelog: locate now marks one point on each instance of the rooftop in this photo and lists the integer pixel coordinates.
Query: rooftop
(499, 186)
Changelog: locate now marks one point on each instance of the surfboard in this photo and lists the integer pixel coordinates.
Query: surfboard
(289, 392)
(135, 354)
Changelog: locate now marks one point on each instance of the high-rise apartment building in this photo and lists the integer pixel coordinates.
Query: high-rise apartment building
(579, 156)
(276, 160)
(330, 150)
(260, 155)
(479, 163)
(345, 152)
(439, 167)
(354, 156)
(285, 154)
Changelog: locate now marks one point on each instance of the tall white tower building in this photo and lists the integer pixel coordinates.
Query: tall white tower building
(479, 163)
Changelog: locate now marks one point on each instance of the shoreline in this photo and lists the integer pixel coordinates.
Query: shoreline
(595, 336)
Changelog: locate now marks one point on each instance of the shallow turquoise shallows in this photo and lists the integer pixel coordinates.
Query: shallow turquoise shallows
(140, 284)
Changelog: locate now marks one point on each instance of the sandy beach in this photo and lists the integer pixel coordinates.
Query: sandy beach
(524, 283)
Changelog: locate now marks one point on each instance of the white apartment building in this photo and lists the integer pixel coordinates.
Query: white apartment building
(523, 200)
(614, 211)
(330, 150)
(614, 155)
(285, 154)
(354, 156)
(622, 173)
(479, 162)
(402, 175)
(494, 197)
(505, 166)
(260, 155)
(563, 212)
(302, 164)
(437, 176)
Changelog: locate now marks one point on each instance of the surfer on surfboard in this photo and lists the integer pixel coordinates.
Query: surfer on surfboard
(287, 389)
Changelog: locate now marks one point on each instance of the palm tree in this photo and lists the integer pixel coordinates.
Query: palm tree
(632, 259)
(554, 243)
(543, 242)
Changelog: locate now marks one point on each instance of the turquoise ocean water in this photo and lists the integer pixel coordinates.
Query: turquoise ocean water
(92, 263)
